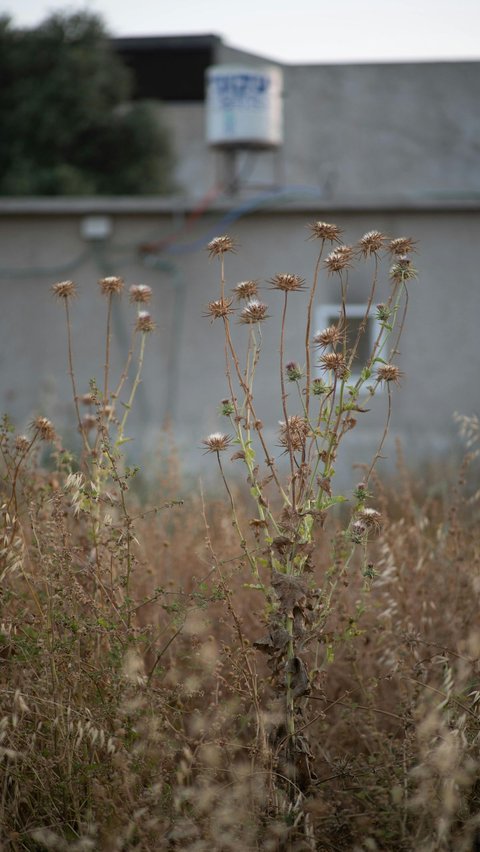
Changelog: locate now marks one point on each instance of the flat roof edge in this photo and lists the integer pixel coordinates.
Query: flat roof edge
(140, 205)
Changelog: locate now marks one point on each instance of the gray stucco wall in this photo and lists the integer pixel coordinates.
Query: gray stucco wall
(358, 132)
(184, 377)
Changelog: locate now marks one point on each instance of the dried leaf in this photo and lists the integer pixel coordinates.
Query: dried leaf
(290, 590)
(299, 682)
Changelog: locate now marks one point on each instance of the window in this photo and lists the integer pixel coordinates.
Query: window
(327, 315)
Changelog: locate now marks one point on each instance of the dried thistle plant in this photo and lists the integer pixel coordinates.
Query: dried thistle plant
(310, 437)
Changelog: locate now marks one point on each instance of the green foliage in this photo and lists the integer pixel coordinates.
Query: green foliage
(68, 127)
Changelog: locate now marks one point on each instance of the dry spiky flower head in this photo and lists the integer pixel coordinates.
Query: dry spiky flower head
(325, 231)
(329, 336)
(111, 285)
(22, 443)
(402, 269)
(357, 532)
(44, 428)
(295, 433)
(217, 442)
(370, 518)
(145, 323)
(371, 243)
(335, 362)
(402, 245)
(389, 373)
(253, 312)
(246, 289)
(140, 293)
(87, 399)
(89, 421)
(287, 282)
(219, 309)
(64, 289)
(220, 245)
(339, 259)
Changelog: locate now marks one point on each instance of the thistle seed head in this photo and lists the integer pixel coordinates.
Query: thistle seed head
(370, 518)
(325, 231)
(287, 282)
(389, 373)
(334, 361)
(220, 245)
(253, 312)
(44, 428)
(217, 442)
(87, 399)
(295, 434)
(357, 532)
(329, 336)
(219, 308)
(64, 289)
(89, 421)
(111, 285)
(402, 269)
(402, 245)
(22, 443)
(371, 243)
(339, 259)
(140, 294)
(246, 289)
(145, 323)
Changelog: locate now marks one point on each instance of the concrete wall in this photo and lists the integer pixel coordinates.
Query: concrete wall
(363, 132)
(184, 372)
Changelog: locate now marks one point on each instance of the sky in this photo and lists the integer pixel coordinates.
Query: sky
(297, 31)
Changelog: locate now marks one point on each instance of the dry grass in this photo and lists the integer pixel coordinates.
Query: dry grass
(269, 671)
(141, 735)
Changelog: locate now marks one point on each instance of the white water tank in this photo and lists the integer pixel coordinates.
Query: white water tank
(244, 106)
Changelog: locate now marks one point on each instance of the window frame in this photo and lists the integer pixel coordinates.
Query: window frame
(327, 314)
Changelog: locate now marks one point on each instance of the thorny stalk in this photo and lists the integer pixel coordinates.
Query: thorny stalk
(311, 444)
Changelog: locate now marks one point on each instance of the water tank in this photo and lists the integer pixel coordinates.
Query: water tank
(244, 106)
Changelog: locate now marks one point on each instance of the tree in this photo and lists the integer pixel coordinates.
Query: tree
(67, 124)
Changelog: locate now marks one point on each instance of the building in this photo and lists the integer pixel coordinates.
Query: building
(393, 147)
